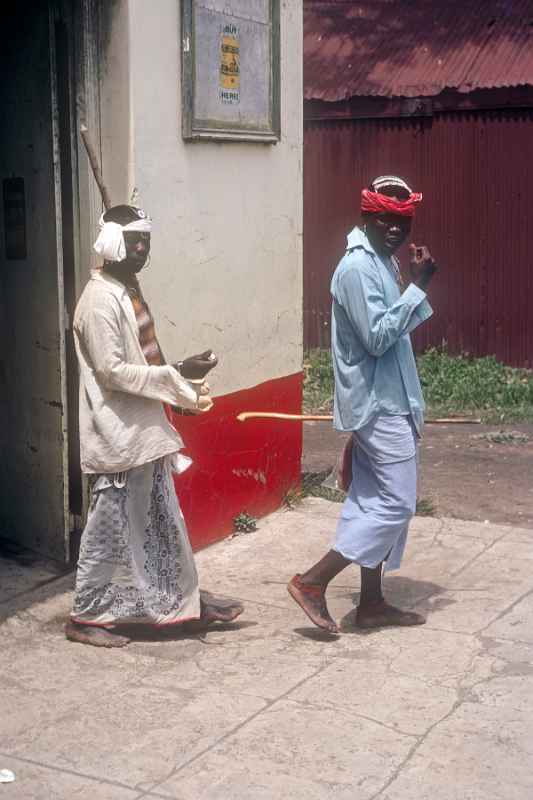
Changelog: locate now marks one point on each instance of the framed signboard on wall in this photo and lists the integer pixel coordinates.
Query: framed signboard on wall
(231, 70)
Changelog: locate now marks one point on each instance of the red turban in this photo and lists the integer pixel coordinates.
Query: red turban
(376, 203)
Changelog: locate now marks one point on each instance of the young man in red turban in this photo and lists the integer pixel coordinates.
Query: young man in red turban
(378, 399)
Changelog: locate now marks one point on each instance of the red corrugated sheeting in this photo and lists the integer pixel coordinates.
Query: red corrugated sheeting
(412, 48)
(476, 172)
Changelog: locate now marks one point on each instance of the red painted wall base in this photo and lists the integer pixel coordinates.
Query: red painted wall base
(239, 466)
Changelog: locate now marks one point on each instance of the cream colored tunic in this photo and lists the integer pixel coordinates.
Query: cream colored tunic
(122, 421)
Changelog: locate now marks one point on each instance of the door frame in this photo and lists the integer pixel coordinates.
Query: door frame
(85, 98)
(62, 322)
(81, 20)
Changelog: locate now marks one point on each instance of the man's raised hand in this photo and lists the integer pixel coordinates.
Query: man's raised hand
(421, 265)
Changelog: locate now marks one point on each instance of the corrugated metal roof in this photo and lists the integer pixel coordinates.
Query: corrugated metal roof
(413, 48)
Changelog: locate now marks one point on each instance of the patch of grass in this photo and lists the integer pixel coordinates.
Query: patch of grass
(318, 381)
(244, 523)
(503, 437)
(452, 385)
(459, 384)
(293, 498)
(425, 507)
(313, 486)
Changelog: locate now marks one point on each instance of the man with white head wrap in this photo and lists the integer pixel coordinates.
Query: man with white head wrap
(136, 563)
(111, 244)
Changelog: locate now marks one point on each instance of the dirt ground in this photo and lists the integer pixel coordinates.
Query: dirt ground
(463, 476)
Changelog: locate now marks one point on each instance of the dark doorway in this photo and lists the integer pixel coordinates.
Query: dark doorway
(40, 483)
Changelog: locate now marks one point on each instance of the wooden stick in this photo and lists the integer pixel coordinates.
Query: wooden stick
(270, 415)
(454, 421)
(246, 415)
(93, 160)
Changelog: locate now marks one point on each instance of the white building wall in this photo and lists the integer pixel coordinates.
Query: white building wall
(226, 268)
(114, 94)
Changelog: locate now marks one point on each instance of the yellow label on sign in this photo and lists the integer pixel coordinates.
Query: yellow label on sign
(230, 77)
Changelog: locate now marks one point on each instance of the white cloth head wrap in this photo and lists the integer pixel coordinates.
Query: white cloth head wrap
(110, 243)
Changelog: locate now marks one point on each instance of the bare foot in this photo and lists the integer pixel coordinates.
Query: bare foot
(312, 600)
(215, 613)
(213, 609)
(91, 634)
(380, 615)
(220, 606)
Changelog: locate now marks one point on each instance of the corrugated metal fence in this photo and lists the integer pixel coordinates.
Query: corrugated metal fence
(476, 172)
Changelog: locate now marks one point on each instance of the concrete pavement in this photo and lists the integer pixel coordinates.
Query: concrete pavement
(270, 708)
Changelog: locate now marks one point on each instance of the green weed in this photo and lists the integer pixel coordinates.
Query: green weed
(244, 523)
(458, 384)
(425, 507)
(503, 437)
(313, 486)
(451, 384)
(318, 381)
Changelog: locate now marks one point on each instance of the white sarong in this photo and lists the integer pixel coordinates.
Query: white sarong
(136, 563)
(381, 500)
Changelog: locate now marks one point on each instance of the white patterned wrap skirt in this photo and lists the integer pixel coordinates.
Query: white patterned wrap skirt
(381, 500)
(136, 563)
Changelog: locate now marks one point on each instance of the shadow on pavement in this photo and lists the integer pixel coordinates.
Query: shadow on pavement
(317, 635)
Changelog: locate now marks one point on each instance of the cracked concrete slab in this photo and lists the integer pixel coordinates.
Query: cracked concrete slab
(44, 680)
(295, 750)
(135, 734)
(270, 707)
(442, 657)
(32, 779)
(240, 668)
(467, 610)
(516, 622)
(476, 753)
(412, 704)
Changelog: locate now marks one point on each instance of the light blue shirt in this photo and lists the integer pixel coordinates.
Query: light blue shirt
(373, 360)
